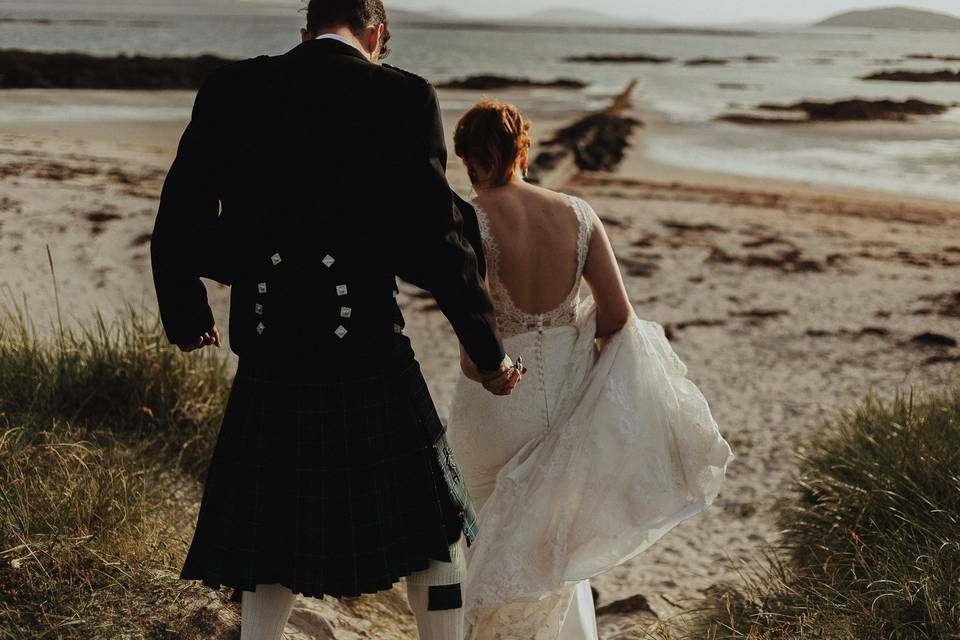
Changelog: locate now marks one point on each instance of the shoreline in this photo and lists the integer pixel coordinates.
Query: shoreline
(164, 113)
(656, 120)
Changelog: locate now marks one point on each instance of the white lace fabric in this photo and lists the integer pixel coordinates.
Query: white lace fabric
(511, 320)
(594, 457)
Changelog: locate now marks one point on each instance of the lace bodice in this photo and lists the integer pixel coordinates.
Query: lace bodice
(511, 320)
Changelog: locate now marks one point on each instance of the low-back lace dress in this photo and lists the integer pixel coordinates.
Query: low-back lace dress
(596, 455)
(511, 319)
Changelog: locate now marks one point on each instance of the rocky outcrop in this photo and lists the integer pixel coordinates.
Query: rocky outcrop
(595, 142)
(615, 58)
(900, 75)
(33, 70)
(840, 111)
(488, 82)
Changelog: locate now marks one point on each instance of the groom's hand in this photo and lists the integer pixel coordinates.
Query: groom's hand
(205, 339)
(504, 381)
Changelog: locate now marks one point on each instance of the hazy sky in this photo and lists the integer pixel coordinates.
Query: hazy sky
(688, 11)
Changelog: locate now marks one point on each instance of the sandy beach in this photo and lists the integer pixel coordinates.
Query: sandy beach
(786, 300)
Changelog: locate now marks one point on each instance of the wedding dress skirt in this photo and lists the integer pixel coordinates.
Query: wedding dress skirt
(595, 457)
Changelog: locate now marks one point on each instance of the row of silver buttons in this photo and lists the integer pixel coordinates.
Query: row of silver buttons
(345, 312)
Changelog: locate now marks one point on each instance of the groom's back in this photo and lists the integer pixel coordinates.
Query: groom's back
(316, 150)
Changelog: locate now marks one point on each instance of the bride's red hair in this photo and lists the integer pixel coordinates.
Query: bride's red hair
(493, 136)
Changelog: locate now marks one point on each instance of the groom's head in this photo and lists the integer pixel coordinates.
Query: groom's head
(362, 20)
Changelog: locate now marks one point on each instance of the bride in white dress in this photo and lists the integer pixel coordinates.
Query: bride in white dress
(604, 447)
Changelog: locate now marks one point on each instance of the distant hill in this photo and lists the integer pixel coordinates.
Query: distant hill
(894, 18)
(571, 15)
(427, 15)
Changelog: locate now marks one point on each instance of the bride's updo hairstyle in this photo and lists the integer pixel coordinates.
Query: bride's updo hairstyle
(493, 137)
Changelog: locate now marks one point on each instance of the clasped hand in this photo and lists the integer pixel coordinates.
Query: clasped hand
(503, 381)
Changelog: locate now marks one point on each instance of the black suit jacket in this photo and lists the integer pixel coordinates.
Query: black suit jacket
(308, 182)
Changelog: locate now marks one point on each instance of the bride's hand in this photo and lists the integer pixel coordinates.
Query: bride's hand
(500, 382)
(504, 381)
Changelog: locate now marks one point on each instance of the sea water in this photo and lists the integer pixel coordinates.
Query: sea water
(921, 157)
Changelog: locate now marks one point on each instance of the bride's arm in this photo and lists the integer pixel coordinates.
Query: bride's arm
(606, 283)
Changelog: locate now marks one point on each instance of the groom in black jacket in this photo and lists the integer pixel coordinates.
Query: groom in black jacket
(308, 182)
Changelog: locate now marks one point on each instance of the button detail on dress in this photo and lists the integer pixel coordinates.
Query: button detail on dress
(341, 332)
(261, 327)
(328, 261)
(262, 287)
(259, 309)
(275, 259)
(346, 312)
(342, 290)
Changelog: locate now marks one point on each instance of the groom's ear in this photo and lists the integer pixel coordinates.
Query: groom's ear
(375, 41)
(304, 35)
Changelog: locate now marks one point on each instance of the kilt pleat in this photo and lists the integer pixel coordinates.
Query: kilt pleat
(329, 487)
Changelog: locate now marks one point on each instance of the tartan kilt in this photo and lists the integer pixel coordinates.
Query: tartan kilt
(337, 486)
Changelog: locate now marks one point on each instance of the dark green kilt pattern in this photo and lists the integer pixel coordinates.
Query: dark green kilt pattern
(337, 486)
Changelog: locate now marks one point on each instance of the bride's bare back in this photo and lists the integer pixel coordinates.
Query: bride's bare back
(536, 232)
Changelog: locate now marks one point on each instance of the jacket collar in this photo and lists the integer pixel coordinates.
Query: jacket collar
(327, 46)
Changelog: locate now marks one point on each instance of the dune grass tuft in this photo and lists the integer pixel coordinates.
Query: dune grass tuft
(120, 376)
(104, 432)
(871, 544)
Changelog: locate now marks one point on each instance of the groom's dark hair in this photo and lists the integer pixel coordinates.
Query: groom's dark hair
(356, 14)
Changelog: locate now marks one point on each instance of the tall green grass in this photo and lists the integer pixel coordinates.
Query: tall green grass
(871, 547)
(120, 376)
(100, 425)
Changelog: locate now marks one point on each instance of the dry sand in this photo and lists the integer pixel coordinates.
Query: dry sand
(787, 301)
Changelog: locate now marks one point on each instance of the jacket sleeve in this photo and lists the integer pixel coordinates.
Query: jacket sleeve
(433, 253)
(187, 215)
(471, 232)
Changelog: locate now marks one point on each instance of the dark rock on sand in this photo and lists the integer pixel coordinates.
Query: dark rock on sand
(791, 261)
(633, 605)
(487, 82)
(900, 75)
(700, 322)
(766, 241)
(142, 239)
(684, 227)
(598, 141)
(595, 142)
(934, 340)
(930, 56)
(842, 111)
(101, 217)
(706, 62)
(866, 331)
(947, 305)
(756, 316)
(640, 58)
(639, 268)
(32, 70)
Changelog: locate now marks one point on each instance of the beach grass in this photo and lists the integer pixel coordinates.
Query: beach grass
(104, 432)
(871, 534)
